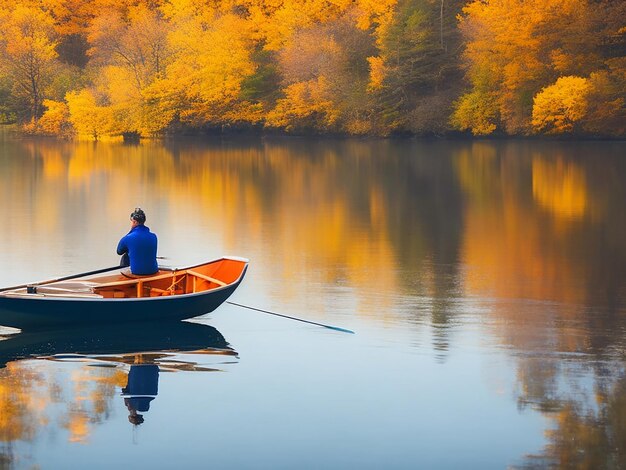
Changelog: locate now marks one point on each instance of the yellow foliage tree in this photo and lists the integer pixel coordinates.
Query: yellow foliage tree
(88, 118)
(325, 66)
(55, 119)
(477, 112)
(28, 55)
(133, 52)
(355, 66)
(306, 105)
(137, 41)
(558, 108)
(274, 22)
(71, 16)
(212, 60)
(606, 114)
(507, 43)
(377, 73)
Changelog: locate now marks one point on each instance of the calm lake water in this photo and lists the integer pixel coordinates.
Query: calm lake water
(485, 281)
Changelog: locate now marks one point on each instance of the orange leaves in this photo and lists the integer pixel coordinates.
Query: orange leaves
(356, 66)
(278, 21)
(503, 52)
(518, 49)
(71, 16)
(28, 31)
(377, 73)
(377, 13)
(575, 104)
(560, 187)
(311, 53)
(138, 43)
(324, 79)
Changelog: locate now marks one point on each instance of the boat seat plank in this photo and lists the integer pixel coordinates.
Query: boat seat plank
(206, 278)
(131, 282)
(69, 287)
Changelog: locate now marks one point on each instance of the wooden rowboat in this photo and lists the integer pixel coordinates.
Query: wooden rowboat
(117, 297)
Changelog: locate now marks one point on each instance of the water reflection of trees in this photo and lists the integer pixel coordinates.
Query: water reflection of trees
(592, 440)
(529, 220)
(530, 231)
(588, 429)
(542, 243)
(30, 397)
(94, 368)
(353, 210)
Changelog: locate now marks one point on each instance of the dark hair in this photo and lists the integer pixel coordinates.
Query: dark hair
(139, 215)
(135, 419)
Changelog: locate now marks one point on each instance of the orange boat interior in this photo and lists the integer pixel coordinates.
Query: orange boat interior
(169, 282)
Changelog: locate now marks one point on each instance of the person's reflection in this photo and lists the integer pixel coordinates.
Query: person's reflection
(141, 389)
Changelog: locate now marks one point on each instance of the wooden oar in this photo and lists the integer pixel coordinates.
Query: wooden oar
(65, 278)
(291, 318)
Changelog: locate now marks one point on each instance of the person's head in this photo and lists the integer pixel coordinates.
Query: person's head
(135, 418)
(138, 217)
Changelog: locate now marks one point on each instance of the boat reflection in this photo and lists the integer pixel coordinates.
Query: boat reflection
(122, 361)
(154, 341)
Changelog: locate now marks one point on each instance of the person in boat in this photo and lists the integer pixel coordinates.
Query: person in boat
(139, 247)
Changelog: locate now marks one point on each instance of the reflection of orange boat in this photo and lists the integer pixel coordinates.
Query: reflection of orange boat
(171, 294)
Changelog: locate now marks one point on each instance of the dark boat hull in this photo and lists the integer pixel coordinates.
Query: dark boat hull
(45, 312)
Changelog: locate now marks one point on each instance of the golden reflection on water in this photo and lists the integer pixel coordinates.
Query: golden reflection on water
(541, 245)
(71, 381)
(33, 397)
(560, 187)
(92, 391)
(28, 392)
(351, 210)
(502, 224)
(520, 221)
(19, 402)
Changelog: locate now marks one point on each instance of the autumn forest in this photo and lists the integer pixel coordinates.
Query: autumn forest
(101, 69)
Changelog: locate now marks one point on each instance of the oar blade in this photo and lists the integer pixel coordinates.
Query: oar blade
(343, 330)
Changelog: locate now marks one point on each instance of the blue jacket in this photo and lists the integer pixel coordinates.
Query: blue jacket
(141, 246)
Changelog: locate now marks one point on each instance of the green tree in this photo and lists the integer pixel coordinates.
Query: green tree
(418, 66)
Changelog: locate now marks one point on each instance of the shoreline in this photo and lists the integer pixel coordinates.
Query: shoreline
(247, 133)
